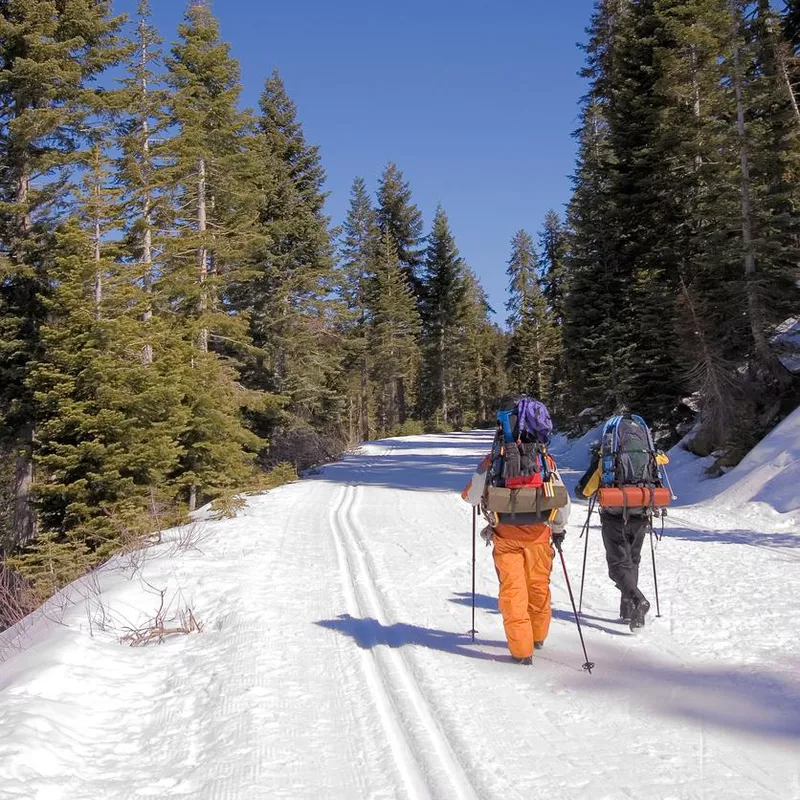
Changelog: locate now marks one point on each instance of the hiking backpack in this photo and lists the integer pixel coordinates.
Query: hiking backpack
(522, 476)
(630, 475)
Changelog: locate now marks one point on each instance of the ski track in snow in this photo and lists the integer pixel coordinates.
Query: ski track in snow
(429, 767)
(335, 660)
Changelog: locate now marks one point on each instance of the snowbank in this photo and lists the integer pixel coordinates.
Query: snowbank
(766, 483)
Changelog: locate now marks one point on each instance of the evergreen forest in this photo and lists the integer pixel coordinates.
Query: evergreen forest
(180, 321)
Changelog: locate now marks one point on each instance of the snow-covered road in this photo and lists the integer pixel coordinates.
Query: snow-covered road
(334, 660)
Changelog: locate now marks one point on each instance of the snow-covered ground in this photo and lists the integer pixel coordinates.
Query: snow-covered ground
(334, 659)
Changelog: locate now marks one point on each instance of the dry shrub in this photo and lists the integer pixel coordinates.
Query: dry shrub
(302, 448)
(173, 618)
(17, 597)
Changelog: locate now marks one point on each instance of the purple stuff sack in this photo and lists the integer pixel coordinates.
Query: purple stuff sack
(534, 418)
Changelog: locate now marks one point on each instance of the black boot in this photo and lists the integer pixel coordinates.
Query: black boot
(626, 605)
(528, 660)
(640, 609)
(538, 645)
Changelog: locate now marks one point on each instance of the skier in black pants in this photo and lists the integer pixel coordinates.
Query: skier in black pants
(623, 536)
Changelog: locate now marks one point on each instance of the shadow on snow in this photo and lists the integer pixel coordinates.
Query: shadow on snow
(737, 698)
(752, 538)
(368, 633)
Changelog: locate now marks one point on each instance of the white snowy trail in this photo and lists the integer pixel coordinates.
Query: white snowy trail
(334, 660)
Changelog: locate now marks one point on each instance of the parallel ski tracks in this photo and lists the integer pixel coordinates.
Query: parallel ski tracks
(429, 767)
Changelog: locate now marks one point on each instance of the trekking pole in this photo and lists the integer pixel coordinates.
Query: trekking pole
(585, 530)
(587, 665)
(669, 485)
(655, 577)
(472, 631)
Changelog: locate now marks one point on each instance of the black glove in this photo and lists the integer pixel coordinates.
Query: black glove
(558, 540)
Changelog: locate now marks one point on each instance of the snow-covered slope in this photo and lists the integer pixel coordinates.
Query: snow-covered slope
(766, 483)
(334, 659)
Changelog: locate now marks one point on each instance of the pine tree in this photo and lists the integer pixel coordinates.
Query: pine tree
(49, 54)
(394, 331)
(139, 174)
(443, 312)
(109, 422)
(358, 256)
(646, 212)
(553, 247)
(214, 214)
(402, 220)
(533, 337)
(288, 290)
(692, 132)
(479, 375)
(595, 337)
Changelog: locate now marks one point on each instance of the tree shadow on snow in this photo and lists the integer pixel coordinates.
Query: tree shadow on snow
(487, 603)
(435, 472)
(368, 633)
(442, 462)
(752, 538)
(740, 699)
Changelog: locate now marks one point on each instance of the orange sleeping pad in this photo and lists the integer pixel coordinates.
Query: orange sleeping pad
(633, 496)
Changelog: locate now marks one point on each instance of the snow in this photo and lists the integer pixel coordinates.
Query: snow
(787, 344)
(334, 659)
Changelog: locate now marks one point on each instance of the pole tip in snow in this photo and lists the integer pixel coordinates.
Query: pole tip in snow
(589, 666)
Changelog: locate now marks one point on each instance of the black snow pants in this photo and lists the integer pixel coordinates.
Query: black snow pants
(623, 543)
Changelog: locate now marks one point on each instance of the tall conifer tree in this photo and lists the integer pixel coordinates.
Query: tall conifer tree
(402, 220)
(359, 250)
(443, 312)
(394, 332)
(210, 168)
(49, 54)
(533, 340)
(291, 273)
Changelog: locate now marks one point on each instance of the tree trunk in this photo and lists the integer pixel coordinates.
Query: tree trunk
(24, 524)
(481, 392)
(202, 254)
(698, 158)
(98, 272)
(147, 237)
(401, 400)
(147, 277)
(442, 381)
(363, 428)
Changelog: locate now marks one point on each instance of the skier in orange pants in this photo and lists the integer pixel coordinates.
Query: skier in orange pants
(523, 558)
(523, 569)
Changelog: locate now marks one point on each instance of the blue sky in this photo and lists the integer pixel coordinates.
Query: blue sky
(474, 101)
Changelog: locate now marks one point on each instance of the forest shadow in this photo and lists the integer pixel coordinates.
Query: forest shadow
(444, 473)
(739, 699)
(752, 538)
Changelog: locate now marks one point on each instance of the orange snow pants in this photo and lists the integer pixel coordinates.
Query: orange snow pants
(523, 569)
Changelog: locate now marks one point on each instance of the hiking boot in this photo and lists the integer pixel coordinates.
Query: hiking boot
(538, 645)
(626, 606)
(528, 660)
(640, 609)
